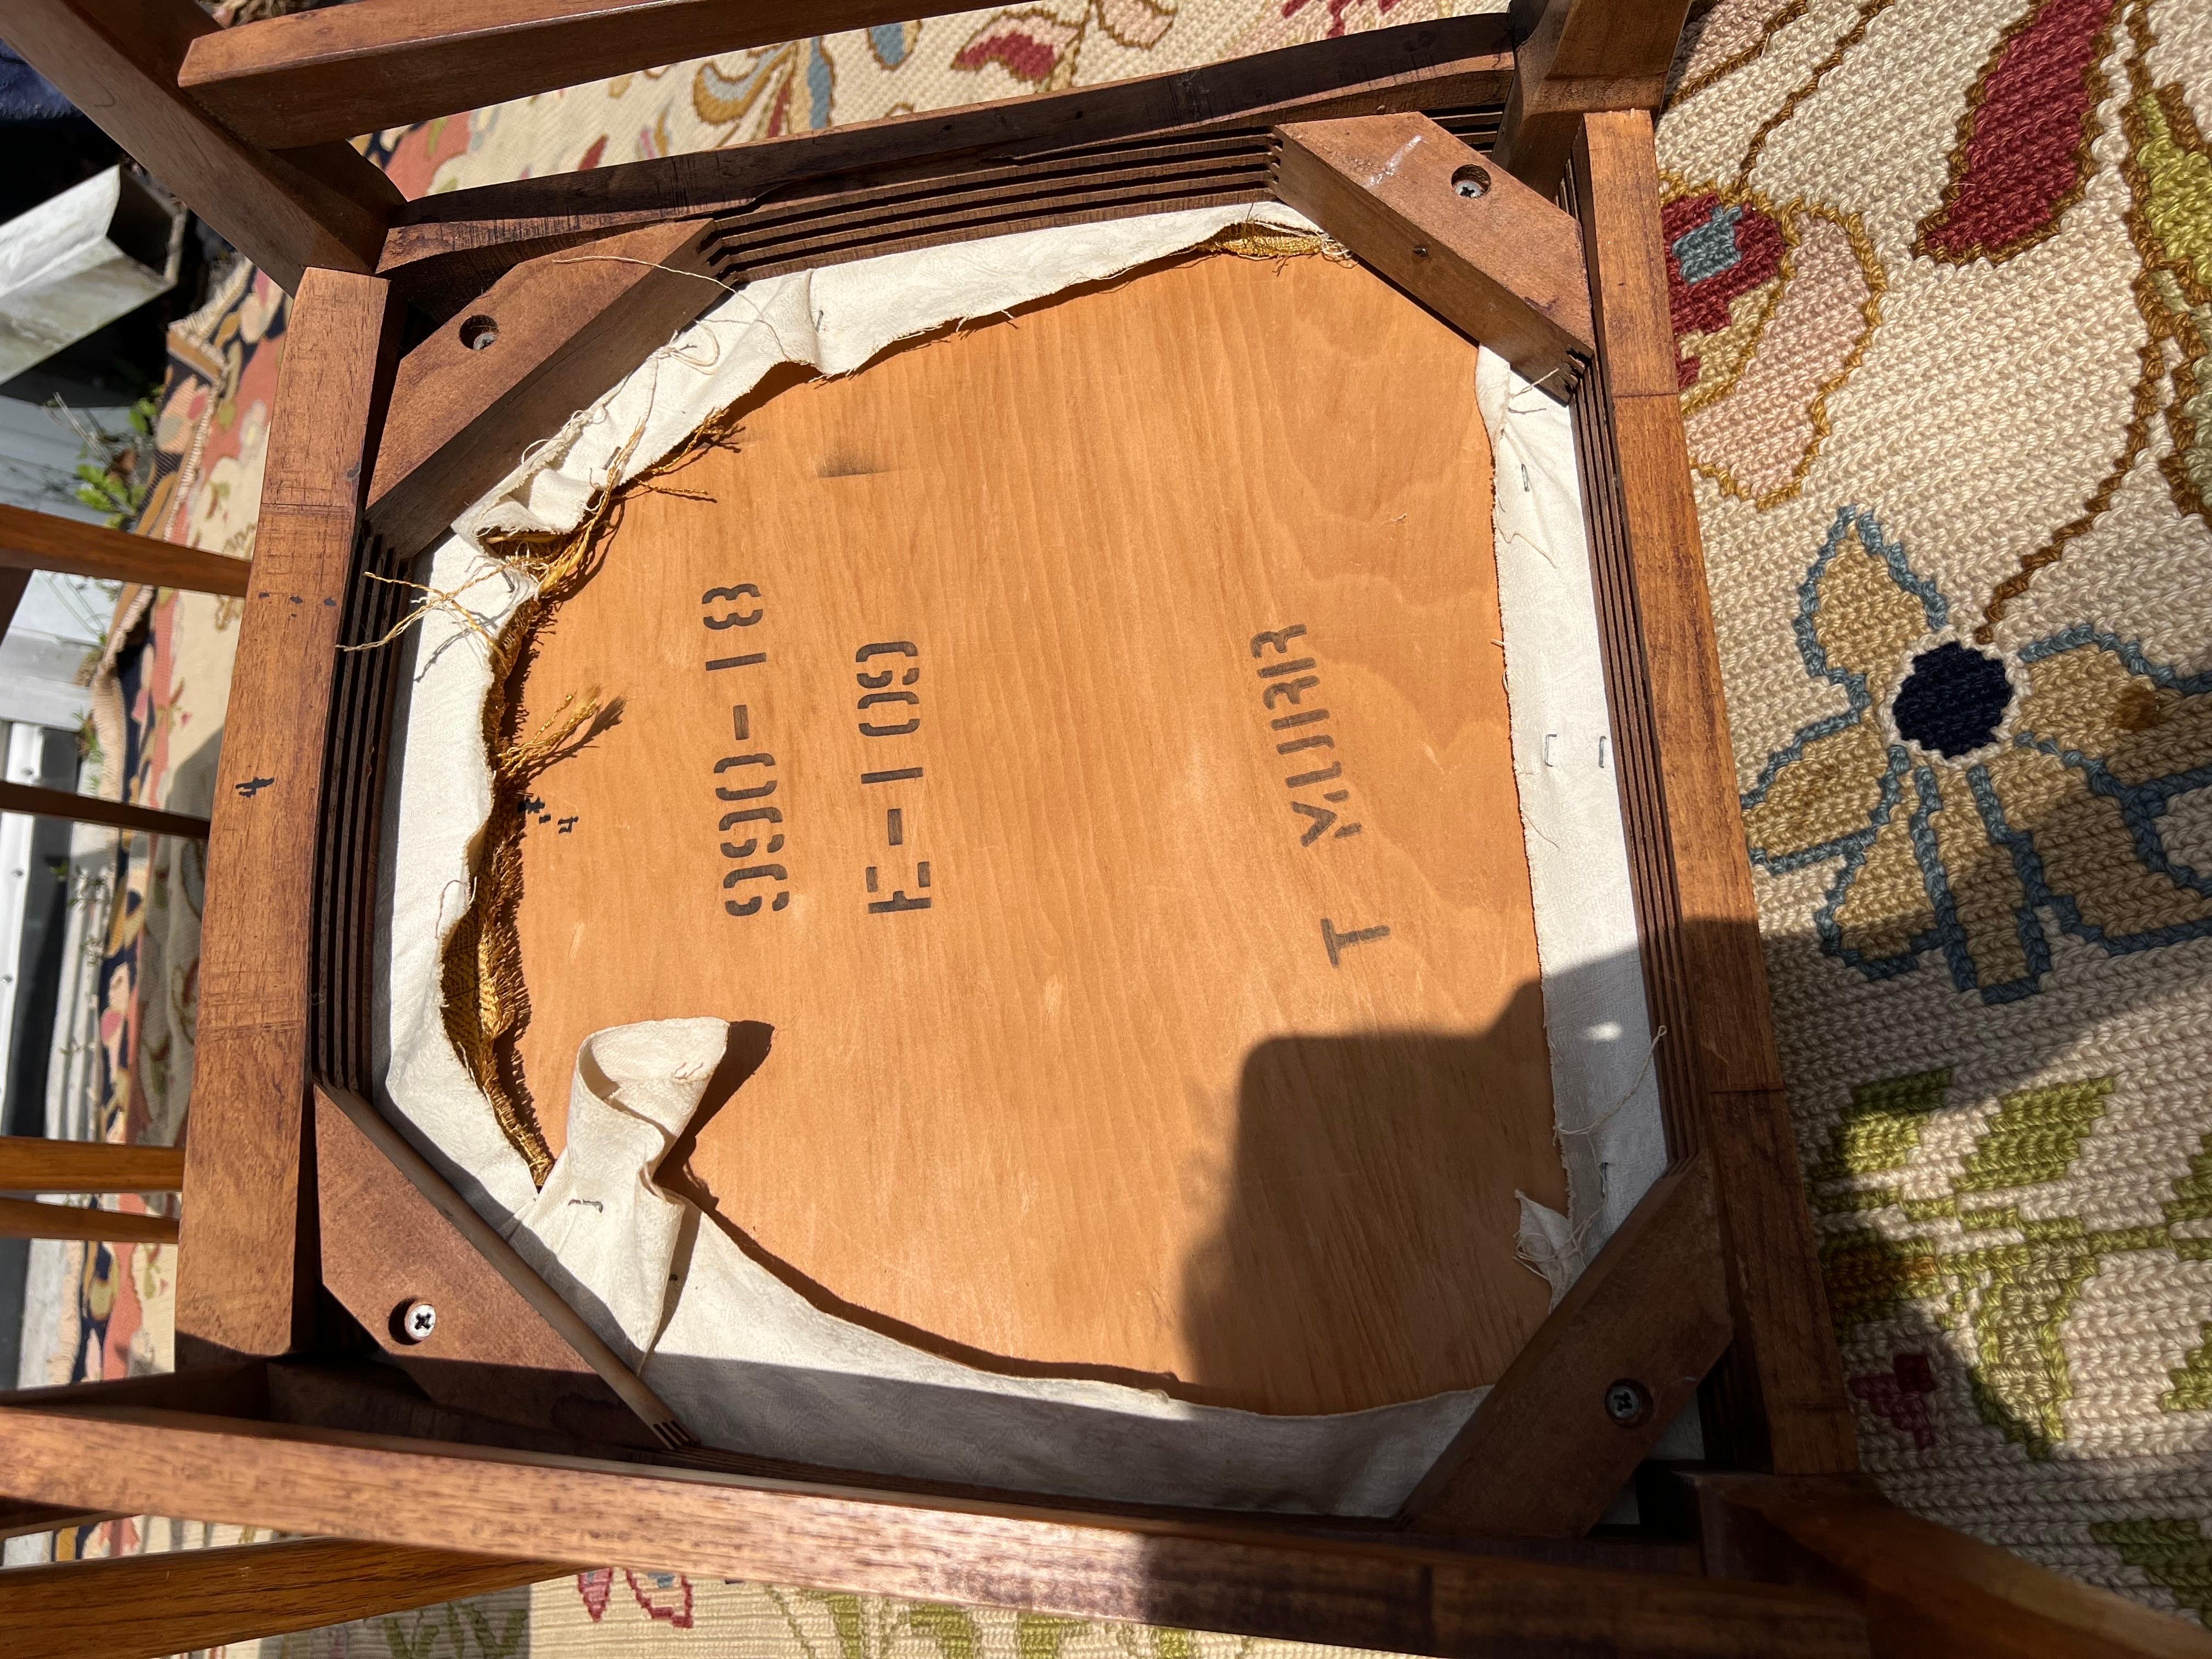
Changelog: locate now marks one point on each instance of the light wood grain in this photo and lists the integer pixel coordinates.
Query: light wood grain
(1777, 1401)
(118, 61)
(1474, 244)
(1543, 1456)
(1108, 1103)
(42, 541)
(1583, 57)
(241, 1286)
(36, 801)
(454, 243)
(1926, 1589)
(30, 1165)
(1459, 1605)
(143, 1606)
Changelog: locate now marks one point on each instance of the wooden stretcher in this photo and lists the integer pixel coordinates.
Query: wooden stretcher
(502, 1442)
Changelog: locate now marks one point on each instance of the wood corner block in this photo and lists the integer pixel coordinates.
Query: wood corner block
(1464, 237)
(1583, 1403)
(509, 366)
(499, 1343)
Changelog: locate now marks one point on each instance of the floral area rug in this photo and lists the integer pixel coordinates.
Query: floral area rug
(1942, 285)
(1942, 281)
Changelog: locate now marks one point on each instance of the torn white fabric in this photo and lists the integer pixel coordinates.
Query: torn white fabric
(747, 1362)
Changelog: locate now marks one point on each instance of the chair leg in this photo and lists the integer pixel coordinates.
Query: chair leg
(124, 1607)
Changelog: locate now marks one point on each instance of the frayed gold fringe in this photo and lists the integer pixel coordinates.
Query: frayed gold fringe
(486, 997)
(1251, 239)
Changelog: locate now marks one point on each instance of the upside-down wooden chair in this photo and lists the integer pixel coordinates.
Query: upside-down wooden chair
(429, 340)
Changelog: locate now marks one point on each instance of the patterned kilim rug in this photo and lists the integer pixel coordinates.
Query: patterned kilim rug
(1943, 285)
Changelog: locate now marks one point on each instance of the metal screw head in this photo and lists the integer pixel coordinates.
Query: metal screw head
(1628, 1402)
(417, 1320)
(1470, 181)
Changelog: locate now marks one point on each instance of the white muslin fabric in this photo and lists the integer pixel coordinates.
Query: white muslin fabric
(748, 1364)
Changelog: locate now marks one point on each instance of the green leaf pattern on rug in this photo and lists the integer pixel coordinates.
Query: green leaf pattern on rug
(2009, 1292)
(2173, 1553)
(2035, 1136)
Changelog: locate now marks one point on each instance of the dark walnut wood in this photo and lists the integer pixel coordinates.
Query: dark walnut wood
(29, 1165)
(118, 61)
(1452, 1604)
(307, 77)
(26, 1218)
(448, 246)
(1777, 1401)
(507, 369)
(1926, 1589)
(1552, 1444)
(37, 802)
(183, 1601)
(1470, 241)
(41, 541)
(504, 1345)
(1583, 57)
(248, 1277)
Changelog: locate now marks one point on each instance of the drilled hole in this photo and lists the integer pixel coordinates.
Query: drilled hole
(479, 333)
(1471, 181)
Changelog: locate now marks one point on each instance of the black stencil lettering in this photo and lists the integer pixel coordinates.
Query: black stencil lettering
(1321, 816)
(766, 789)
(253, 786)
(921, 873)
(1339, 796)
(1336, 941)
(871, 879)
(745, 910)
(1276, 671)
(1323, 741)
(1334, 768)
(883, 678)
(569, 825)
(895, 826)
(741, 722)
(747, 661)
(751, 815)
(1348, 829)
(1285, 722)
(1290, 689)
(1281, 639)
(904, 647)
(736, 618)
(875, 697)
(756, 873)
(869, 731)
(734, 850)
(897, 775)
(898, 901)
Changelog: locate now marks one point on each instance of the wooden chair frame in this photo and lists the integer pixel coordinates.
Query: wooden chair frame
(1520, 201)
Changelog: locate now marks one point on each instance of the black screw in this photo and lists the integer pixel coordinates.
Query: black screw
(1628, 1402)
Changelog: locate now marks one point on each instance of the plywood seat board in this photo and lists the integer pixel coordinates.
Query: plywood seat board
(1026, 742)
